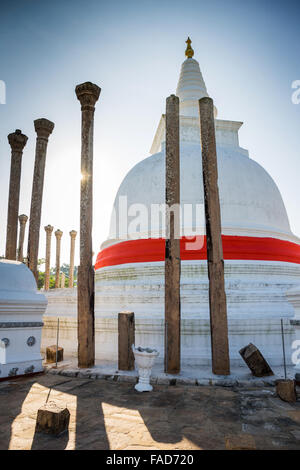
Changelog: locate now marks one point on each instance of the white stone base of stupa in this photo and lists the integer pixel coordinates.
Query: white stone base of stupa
(256, 302)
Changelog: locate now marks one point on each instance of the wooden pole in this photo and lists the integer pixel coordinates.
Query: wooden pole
(17, 142)
(283, 348)
(172, 244)
(126, 338)
(215, 262)
(87, 93)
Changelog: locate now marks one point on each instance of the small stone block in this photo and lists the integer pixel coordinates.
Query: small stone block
(255, 361)
(128, 378)
(85, 373)
(52, 419)
(226, 383)
(286, 390)
(240, 442)
(163, 381)
(203, 382)
(51, 354)
(70, 373)
(185, 381)
(53, 371)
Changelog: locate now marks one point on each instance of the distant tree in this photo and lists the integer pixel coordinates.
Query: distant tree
(65, 268)
(41, 274)
(51, 282)
(41, 280)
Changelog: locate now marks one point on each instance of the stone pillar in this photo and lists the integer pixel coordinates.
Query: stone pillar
(43, 128)
(87, 93)
(49, 230)
(17, 141)
(73, 234)
(58, 235)
(172, 244)
(215, 262)
(22, 220)
(62, 280)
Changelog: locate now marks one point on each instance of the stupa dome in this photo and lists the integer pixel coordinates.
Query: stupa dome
(251, 203)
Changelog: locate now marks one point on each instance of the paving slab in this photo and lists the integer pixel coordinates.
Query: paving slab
(110, 414)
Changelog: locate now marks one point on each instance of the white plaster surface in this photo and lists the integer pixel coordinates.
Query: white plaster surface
(21, 312)
(256, 301)
(251, 204)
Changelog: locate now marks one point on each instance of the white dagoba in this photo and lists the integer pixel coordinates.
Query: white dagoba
(262, 256)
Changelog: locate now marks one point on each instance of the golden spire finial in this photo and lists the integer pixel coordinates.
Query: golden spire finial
(189, 52)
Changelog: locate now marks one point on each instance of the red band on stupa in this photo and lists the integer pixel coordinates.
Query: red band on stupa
(234, 247)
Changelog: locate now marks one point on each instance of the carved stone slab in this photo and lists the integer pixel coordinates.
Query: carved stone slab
(255, 361)
(51, 354)
(52, 419)
(286, 390)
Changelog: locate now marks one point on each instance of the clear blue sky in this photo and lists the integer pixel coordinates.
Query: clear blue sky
(249, 55)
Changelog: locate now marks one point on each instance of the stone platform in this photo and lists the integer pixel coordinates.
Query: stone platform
(203, 376)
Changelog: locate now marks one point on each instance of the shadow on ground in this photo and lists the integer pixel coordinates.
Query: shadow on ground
(112, 415)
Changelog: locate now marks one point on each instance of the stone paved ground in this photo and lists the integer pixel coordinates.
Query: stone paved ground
(112, 415)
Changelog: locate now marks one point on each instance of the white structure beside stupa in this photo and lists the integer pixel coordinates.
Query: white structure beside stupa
(21, 320)
(262, 256)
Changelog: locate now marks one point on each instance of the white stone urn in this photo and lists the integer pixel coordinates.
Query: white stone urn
(144, 358)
